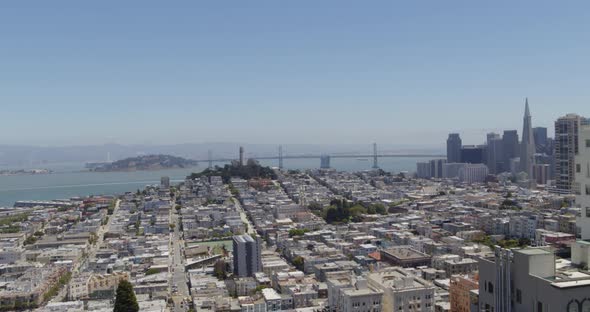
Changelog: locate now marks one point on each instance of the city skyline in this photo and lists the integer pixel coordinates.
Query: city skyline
(206, 72)
(266, 156)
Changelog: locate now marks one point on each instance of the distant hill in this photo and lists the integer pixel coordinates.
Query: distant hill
(251, 170)
(149, 162)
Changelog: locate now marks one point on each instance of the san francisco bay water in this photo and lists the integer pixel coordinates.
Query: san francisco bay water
(71, 180)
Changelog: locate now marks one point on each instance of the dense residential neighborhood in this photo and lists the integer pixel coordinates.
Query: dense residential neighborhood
(315, 240)
(250, 238)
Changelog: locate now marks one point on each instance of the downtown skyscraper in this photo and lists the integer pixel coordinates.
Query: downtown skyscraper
(510, 147)
(541, 140)
(527, 146)
(495, 153)
(454, 144)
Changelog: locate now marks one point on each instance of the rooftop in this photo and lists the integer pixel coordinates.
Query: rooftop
(398, 278)
(270, 294)
(533, 251)
(404, 252)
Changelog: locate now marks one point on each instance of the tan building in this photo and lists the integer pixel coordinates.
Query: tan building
(459, 292)
(86, 285)
(106, 282)
(78, 287)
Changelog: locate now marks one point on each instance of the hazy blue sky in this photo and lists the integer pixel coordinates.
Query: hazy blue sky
(407, 72)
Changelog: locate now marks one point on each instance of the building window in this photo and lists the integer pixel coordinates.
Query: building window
(539, 306)
(578, 168)
(518, 296)
(572, 306)
(490, 288)
(587, 143)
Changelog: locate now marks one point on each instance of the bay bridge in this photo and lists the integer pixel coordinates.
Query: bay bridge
(280, 156)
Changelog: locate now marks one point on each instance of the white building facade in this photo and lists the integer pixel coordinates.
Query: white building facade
(402, 291)
(473, 173)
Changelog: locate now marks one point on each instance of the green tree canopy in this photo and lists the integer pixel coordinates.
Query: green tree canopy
(126, 301)
(297, 232)
(152, 271)
(249, 171)
(299, 262)
(344, 211)
(220, 270)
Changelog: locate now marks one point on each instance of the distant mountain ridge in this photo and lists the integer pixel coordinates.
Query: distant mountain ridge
(148, 162)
